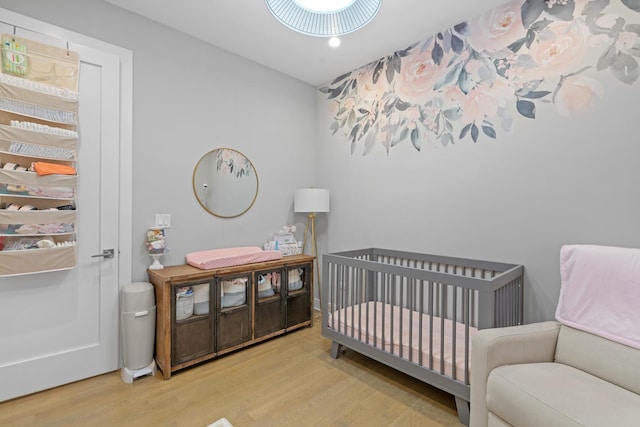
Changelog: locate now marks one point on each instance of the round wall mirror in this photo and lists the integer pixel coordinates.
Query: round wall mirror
(225, 183)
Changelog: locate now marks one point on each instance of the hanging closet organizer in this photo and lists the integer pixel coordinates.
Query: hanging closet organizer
(38, 122)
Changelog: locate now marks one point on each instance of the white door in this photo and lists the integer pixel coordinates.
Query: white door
(59, 327)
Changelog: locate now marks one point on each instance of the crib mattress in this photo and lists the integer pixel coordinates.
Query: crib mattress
(364, 322)
(228, 257)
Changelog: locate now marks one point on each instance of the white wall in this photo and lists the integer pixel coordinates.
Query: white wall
(181, 111)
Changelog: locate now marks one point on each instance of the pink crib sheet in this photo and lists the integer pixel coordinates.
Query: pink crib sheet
(228, 257)
(364, 331)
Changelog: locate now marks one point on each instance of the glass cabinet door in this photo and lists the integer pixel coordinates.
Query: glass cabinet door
(192, 326)
(298, 288)
(233, 298)
(269, 304)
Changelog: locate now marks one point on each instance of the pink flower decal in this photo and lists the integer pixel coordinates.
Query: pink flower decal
(496, 29)
(577, 93)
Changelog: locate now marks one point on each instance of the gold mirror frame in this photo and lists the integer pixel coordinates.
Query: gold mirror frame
(225, 183)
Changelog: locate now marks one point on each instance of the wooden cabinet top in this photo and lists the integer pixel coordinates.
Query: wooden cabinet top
(185, 272)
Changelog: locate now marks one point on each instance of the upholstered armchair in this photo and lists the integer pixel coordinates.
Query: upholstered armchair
(582, 369)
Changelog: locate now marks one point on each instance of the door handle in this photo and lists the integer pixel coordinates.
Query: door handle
(106, 253)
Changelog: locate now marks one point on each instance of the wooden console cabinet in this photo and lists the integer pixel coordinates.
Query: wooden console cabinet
(228, 321)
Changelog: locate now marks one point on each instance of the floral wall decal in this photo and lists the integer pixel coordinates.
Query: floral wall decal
(232, 163)
(472, 80)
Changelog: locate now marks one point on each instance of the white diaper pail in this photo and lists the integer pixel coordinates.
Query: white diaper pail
(137, 330)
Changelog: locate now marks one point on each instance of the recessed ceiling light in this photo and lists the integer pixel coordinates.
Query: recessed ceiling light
(326, 18)
(334, 42)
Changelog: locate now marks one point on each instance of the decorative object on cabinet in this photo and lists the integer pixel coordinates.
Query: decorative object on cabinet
(312, 201)
(155, 246)
(285, 242)
(225, 183)
(246, 304)
(38, 145)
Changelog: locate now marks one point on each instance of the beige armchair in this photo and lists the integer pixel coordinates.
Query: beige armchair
(583, 370)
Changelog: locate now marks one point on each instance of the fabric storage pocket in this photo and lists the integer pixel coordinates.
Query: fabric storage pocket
(42, 63)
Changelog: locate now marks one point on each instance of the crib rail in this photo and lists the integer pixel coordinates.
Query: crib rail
(417, 308)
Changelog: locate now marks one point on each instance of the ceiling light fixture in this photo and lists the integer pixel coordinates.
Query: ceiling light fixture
(324, 18)
(334, 42)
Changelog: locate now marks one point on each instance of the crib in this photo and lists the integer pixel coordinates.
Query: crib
(418, 313)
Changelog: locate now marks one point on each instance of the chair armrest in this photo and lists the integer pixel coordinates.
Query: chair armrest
(495, 347)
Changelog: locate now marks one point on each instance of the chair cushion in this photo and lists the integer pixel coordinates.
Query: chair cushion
(609, 360)
(554, 394)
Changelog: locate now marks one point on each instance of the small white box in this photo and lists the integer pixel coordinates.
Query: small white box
(284, 238)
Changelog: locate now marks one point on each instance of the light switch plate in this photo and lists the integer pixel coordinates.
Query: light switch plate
(163, 220)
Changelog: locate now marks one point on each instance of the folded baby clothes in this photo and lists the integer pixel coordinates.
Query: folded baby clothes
(44, 168)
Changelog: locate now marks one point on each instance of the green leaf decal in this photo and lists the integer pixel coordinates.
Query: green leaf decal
(450, 77)
(369, 143)
(334, 127)
(446, 139)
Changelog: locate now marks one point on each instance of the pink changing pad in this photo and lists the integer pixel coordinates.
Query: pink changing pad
(600, 291)
(228, 257)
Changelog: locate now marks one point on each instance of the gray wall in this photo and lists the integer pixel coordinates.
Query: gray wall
(552, 181)
(181, 112)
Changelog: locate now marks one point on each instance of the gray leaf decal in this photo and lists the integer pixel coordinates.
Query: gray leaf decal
(632, 4)
(625, 68)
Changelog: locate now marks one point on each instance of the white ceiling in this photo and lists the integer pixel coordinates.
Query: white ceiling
(246, 28)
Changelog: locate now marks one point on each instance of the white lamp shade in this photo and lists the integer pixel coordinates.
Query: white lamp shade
(311, 200)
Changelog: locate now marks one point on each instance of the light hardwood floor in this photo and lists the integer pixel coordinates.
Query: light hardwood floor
(288, 381)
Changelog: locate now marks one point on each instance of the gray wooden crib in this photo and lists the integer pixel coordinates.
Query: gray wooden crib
(417, 313)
